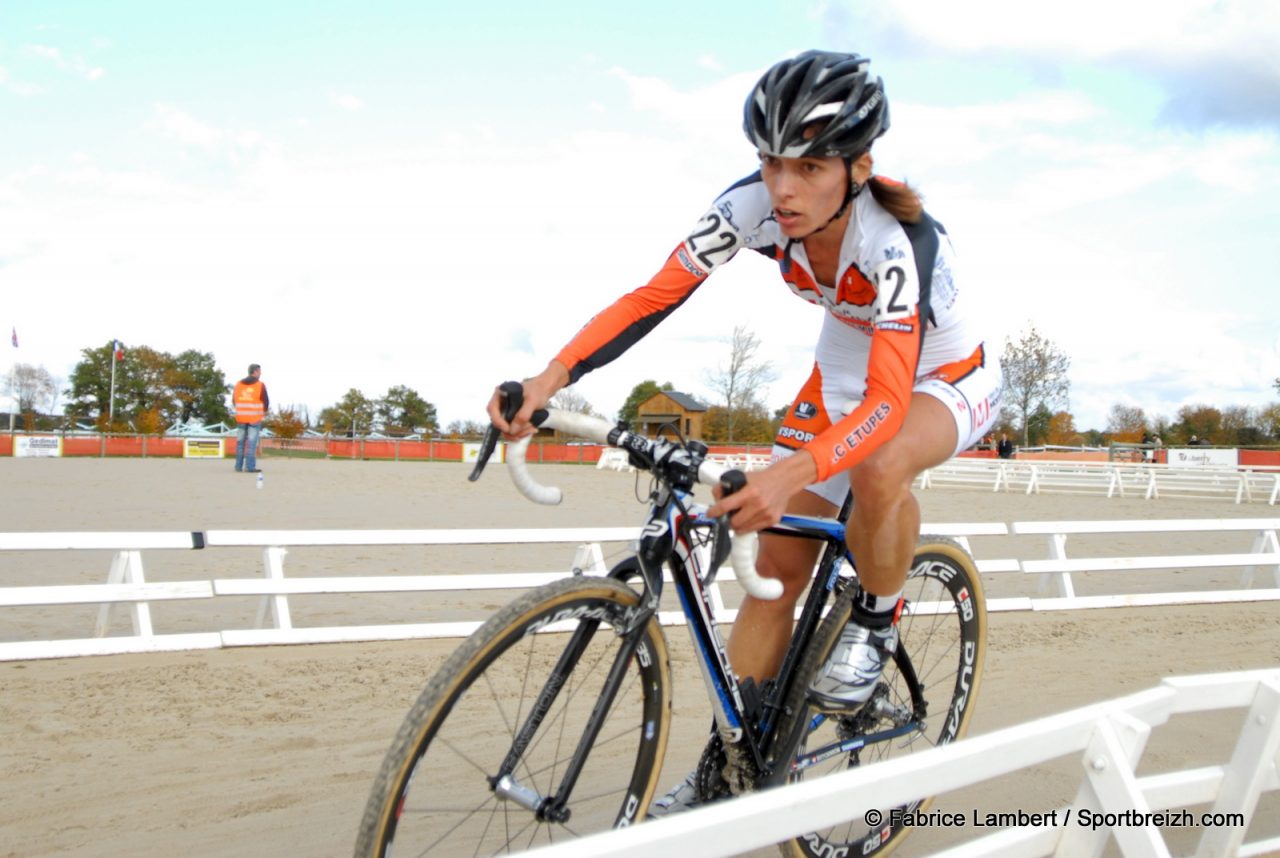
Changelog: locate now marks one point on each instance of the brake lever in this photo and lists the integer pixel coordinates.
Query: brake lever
(513, 396)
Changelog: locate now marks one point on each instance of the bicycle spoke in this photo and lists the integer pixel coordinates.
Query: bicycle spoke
(469, 718)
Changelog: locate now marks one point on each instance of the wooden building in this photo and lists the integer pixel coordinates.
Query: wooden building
(670, 407)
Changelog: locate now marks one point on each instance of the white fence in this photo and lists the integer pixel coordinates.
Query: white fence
(126, 587)
(1114, 479)
(1112, 804)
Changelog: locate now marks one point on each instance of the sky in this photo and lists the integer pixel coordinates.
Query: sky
(371, 194)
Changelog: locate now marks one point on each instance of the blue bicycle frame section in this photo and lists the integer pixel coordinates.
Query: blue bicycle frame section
(669, 537)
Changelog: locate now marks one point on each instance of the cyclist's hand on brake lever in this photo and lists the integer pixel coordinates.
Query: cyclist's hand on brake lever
(764, 499)
(537, 393)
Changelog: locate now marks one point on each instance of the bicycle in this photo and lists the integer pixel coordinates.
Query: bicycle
(551, 720)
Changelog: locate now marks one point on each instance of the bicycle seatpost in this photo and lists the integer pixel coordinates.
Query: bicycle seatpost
(513, 397)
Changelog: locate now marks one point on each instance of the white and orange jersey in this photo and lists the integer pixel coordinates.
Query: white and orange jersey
(896, 293)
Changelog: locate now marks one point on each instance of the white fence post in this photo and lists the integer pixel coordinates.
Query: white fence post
(1265, 543)
(126, 568)
(273, 564)
(1058, 551)
(1242, 781)
(1109, 761)
(589, 559)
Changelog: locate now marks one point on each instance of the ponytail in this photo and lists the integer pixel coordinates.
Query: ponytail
(897, 198)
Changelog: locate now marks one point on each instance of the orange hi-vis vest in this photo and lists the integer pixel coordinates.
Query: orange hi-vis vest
(248, 402)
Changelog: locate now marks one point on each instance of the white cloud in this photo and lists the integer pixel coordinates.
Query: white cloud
(346, 101)
(183, 127)
(451, 263)
(1215, 59)
(76, 65)
(17, 87)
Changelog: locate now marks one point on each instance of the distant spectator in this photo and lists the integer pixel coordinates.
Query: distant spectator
(1004, 449)
(251, 404)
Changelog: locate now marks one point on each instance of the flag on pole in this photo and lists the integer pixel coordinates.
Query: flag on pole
(119, 351)
(15, 336)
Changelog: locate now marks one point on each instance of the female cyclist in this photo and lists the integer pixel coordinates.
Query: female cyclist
(901, 379)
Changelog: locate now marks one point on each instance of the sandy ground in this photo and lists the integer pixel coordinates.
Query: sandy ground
(271, 750)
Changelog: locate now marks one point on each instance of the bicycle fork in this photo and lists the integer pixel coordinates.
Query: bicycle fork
(555, 808)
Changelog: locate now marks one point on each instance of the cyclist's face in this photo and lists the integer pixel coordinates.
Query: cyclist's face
(804, 192)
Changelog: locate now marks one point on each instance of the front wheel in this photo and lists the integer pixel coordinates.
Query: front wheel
(484, 751)
(924, 699)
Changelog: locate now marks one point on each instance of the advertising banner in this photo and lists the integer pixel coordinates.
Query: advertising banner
(1202, 457)
(41, 446)
(471, 452)
(202, 448)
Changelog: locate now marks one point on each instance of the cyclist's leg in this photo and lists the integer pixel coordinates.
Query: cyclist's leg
(763, 627)
(950, 410)
(924, 698)
(885, 520)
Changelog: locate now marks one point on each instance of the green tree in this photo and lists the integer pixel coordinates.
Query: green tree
(639, 395)
(147, 382)
(403, 412)
(351, 415)
(1038, 425)
(89, 396)
(199, 388)
(751, 425)
(1035, 378)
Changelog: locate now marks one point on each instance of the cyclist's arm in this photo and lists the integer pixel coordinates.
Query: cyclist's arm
(713, 241)
(622, 324)
(891, 373)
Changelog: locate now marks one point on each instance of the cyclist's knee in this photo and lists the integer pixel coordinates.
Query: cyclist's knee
(881, 479)
(791, 565)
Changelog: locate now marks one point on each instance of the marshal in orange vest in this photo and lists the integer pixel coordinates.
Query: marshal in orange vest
(248, 402)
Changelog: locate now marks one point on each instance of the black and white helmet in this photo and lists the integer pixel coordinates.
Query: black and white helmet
(816, 86)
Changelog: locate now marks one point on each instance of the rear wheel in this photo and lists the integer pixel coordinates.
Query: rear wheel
(942, 632)
(439, 791)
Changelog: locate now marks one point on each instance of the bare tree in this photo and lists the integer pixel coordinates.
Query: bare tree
(570, 400)
(1035, 375)
(32, 387)
(741, 384)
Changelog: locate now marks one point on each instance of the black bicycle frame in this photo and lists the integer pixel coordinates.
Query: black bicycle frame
(667, 539)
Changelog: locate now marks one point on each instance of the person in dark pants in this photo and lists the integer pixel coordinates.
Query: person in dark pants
(1004, 449)
(251, 404)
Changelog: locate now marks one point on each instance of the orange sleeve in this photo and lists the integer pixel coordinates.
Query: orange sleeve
(623, 323)
(891, 372)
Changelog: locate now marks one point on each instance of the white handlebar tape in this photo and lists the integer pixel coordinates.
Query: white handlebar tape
(528, 486)
(742, 556)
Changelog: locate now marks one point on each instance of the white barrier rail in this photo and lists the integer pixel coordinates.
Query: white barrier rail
(1109, 737)
(127, 587)
(1113, 479)
(1058, 568)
